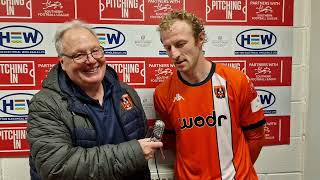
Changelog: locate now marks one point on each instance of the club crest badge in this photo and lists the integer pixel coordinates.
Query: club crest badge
(126, 102)
(220, 91)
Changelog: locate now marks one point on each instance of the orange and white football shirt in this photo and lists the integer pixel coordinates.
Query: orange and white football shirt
(208, 119)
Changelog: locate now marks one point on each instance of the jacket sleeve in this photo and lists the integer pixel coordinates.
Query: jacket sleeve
(55, 157)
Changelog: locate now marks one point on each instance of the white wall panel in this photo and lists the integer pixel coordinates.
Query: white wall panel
(15, 169)
(300, 46)
(301, 13)
(298, 115)
(299, 83)
(284, 176)
(283, 158)
(312, 158)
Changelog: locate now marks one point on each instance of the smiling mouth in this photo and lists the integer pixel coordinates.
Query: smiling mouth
(92, 70)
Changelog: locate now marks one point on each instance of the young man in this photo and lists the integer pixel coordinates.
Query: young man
(84, 123)
(214, 110)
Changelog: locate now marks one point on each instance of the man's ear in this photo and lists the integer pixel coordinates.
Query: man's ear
(60, 59)
(61, 62)
(202, 37)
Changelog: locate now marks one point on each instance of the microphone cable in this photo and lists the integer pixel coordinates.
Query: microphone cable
(155, 162)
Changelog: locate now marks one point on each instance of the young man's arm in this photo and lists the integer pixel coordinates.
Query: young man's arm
(255, 138)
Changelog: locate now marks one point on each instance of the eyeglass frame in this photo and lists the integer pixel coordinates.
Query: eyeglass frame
(86, 55)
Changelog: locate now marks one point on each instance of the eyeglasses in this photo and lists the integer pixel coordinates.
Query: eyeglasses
(96, 53)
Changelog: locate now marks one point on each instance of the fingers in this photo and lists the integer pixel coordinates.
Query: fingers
(156, 145)
(149, 156)
(149, 147)
(151, 144)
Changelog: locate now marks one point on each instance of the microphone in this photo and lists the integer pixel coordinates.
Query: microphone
(158, 130)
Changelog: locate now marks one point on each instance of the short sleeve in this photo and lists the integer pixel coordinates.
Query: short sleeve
(250, 106)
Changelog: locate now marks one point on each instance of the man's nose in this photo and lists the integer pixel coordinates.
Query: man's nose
(175, 53)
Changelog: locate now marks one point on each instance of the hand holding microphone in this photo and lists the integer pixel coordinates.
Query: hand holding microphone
(157, 133)
(158, 130)
(152, 144)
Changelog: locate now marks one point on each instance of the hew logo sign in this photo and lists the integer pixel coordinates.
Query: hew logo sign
(19, 37)
(256, 41)
(17, 73)
(267, 99)
(110, 39)
(14, 106)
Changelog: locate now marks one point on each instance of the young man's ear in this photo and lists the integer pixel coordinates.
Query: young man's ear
(201, 38)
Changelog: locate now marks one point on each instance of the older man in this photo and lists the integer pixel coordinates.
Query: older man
(84, 123)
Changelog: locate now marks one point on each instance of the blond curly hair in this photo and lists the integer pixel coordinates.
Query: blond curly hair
(194, 21)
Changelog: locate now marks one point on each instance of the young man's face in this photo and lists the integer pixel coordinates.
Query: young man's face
(84, 74)
(181, 46)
